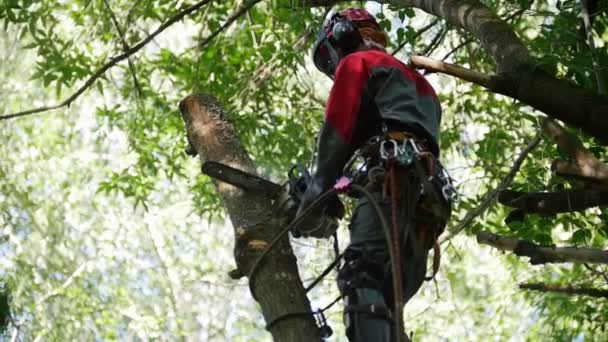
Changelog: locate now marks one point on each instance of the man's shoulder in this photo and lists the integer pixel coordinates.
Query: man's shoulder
(374, 57)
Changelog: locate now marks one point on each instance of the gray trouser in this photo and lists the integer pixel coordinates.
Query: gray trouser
(366, 277)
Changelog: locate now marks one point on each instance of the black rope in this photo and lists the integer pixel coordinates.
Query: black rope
(325, 272)
(292, 315)
(337, 250)
(294, 224)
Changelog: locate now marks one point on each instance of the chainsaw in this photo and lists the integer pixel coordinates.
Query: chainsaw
(286, 198)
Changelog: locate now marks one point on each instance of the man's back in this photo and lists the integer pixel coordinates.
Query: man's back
(398, 93)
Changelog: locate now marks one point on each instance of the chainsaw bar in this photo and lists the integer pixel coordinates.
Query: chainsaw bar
(241, 179)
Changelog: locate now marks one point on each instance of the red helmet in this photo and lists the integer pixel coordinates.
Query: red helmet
(341, 31)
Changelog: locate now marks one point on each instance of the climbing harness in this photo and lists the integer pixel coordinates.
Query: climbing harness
(400, 154)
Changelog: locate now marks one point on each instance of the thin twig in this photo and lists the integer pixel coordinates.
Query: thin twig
(435, 42)
(490, 197)
(458, 47)
(601, 84)
(55, 292)
(244, 9)
(418, 34)
(113, 61)
(125, 47)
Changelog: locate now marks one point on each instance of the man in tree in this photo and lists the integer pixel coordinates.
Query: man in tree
(374, 94)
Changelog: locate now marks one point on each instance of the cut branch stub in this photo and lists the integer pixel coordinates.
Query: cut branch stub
(277, 287)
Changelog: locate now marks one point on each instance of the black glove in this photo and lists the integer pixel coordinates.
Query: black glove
(322, 221)
(332, 154)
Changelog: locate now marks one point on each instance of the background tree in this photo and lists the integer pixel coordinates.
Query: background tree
(109, 231)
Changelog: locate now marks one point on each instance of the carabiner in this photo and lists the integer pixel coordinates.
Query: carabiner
(414, 146)
(450, 193)
(383, 152)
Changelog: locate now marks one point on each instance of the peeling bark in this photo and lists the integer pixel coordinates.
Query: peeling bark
(277, 287)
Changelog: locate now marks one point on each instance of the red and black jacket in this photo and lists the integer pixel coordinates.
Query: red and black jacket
(370, 88)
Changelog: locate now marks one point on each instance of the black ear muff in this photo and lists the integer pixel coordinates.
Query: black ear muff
(347, 36)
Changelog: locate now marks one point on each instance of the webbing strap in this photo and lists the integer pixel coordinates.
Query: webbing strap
(371, 309)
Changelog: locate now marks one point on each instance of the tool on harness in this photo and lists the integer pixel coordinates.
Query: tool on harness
(437, 193)
(398, 156)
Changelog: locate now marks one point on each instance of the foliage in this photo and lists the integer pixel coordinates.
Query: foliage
(108, 231)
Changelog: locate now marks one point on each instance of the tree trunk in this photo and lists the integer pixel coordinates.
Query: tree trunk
(277, 286)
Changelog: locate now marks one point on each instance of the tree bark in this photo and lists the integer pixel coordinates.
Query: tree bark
(277, 286)
(542, 254)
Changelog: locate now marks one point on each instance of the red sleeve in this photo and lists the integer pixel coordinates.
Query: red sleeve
(345, 97)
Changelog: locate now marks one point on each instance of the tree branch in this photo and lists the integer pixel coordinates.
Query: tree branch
(570, 290)
(418, 34)
(240, 12)
(491, 196)
(434, 43)
(434, 65)
(550, 203)
(56, 292)
(543, 254)
(115, 60)
(125, 47)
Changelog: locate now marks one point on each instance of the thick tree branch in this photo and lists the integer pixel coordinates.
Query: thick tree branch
(550, 203)
(570, 290)
(490, 198)
(594, 174)
(135, 48)
(277, 286)
(543, 254)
